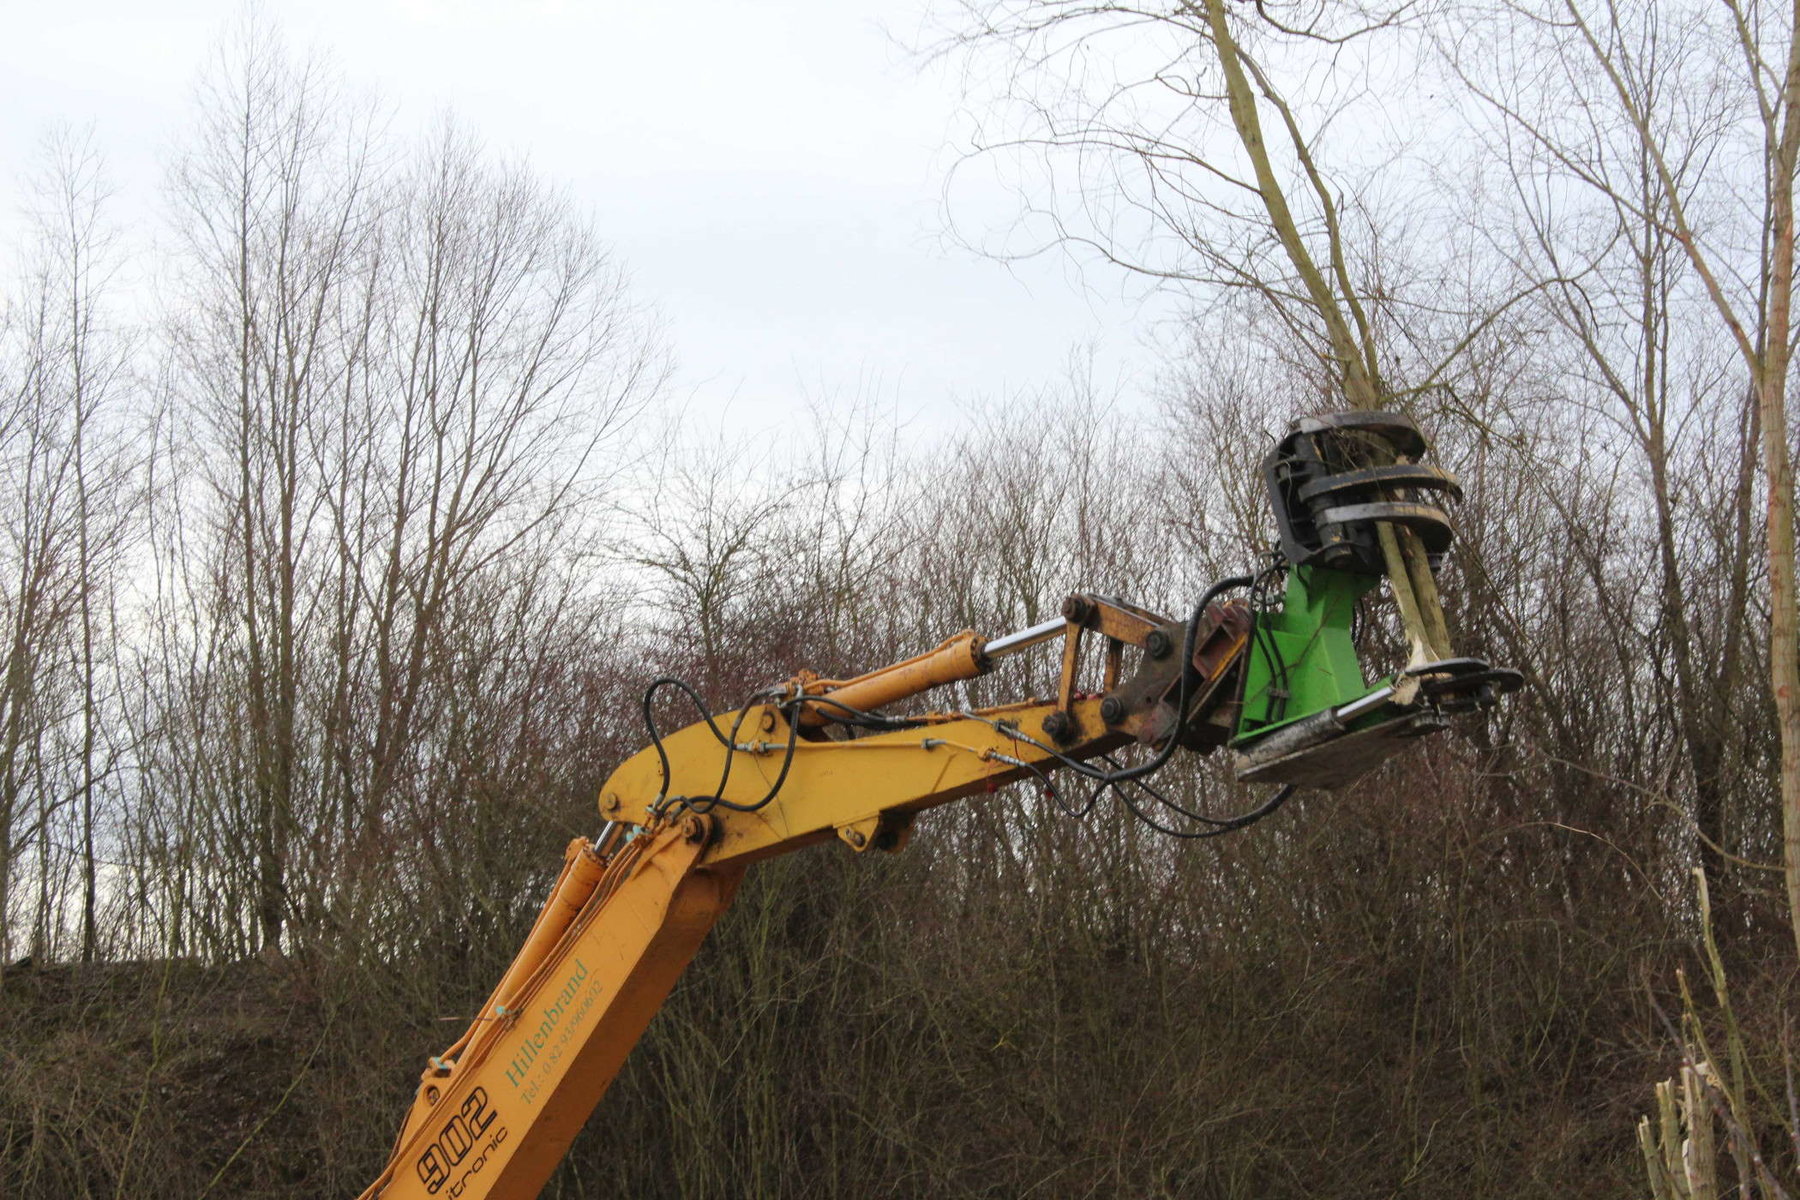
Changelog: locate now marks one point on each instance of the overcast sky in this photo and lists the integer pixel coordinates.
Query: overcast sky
(771, 173)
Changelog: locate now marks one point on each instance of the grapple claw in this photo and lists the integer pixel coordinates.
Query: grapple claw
(1332, 478)
(1308, 714)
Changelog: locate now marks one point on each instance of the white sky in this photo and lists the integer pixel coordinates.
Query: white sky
(769, 172)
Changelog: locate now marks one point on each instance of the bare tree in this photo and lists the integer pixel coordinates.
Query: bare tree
(278, 226)
(400, 367)
(1594, 226)
(1648, 111)
(97, 365)
(69, 484)
(1175, 152)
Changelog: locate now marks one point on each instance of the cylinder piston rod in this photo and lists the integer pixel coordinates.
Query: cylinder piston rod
(1025, 639)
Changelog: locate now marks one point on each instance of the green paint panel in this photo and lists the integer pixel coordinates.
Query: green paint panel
(1302, 659)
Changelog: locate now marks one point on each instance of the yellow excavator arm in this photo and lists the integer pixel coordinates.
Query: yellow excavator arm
(496, 1111)
(1276, 680)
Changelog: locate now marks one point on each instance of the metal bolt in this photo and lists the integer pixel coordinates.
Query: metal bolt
(612, 802)
(1157, 645)
(1058, 727)
(1075, 609)
(857, 839)
(693, 828)
(1112, 710)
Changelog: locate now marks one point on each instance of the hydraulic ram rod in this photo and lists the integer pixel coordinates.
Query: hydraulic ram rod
(1025, 639)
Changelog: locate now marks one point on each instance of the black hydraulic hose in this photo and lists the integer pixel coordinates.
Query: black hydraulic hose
(1222, 827)
(1187, 673)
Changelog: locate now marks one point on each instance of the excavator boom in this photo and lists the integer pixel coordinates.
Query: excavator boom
(1270, 672)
